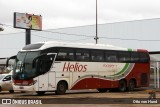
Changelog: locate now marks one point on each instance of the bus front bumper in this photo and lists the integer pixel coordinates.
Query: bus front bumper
(24, 88)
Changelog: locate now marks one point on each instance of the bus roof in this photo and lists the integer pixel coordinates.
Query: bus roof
(49, 44)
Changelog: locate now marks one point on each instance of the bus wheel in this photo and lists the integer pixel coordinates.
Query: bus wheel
(61, 88)
(102, 90)
(132, 85)
(11, 91)
(40, 92)
(122, 86)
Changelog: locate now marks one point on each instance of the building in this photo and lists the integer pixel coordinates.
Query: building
(129, 34)
(3, 62)
(155, 69)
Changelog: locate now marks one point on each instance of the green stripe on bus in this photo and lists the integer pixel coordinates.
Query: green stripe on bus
(129, 49)
(123, 70)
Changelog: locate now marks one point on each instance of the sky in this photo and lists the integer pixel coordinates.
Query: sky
(69, 13)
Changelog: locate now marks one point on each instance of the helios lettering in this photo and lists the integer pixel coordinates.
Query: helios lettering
(74, 67)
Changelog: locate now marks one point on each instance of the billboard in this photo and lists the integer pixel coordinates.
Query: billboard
(27, 21)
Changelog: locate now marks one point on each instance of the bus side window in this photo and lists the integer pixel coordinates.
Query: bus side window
(134, 57)
(97, 56)
(124, 57)
(61, 56)
(82, 55)
(111, 56)
(65, 55)
(143, 57)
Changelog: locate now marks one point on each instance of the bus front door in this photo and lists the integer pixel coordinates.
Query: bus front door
(47, 77)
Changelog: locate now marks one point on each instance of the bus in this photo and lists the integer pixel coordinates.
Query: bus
(59, 66)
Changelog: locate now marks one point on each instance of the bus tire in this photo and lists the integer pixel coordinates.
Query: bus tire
(40, 92)
(11, 91)
(61, 88)
(102, 90)
(122, 86)
(131, 85)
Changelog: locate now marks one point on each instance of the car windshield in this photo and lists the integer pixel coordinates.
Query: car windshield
(23, 65)
(1, 76)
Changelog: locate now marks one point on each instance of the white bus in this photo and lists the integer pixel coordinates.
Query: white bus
(57, 66)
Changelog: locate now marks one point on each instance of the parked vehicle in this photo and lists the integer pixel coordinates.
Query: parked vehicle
(6, 83)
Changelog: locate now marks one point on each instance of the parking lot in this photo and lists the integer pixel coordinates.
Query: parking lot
(86, 98)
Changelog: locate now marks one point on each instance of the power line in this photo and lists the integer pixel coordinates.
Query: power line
(101, 37)
(60, 39)
(53, 32)
(82, 39)
(10, 26)
(12, 33)
(43, 37)
(67, 33)
(132, 39)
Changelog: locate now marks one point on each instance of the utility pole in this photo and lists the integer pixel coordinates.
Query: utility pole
(28, 36)
(96, 38)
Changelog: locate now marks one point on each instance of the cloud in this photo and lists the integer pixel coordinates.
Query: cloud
(81, 11)
(69, 13)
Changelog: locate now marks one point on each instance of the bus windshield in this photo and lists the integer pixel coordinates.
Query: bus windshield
(23, 65)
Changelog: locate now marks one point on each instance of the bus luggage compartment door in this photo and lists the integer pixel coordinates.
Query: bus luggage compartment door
(43, 82)
(51, 80)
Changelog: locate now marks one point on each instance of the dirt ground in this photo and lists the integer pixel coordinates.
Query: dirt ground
(87, 98)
